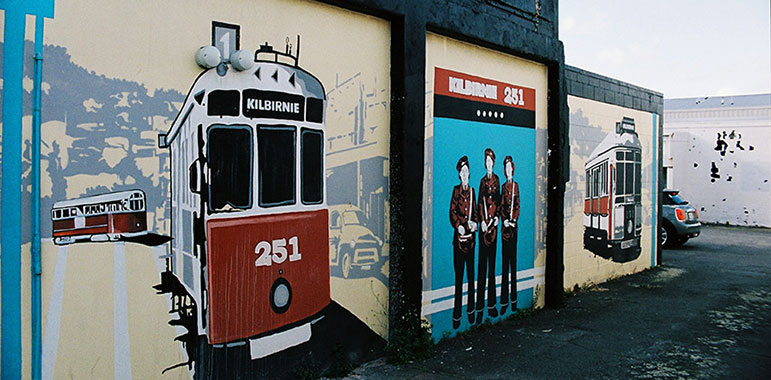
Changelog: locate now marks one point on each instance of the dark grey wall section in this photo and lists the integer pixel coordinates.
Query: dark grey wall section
(524, 28)
(589, 85)
(586, 84)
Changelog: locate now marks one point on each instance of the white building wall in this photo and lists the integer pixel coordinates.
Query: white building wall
(721, 160)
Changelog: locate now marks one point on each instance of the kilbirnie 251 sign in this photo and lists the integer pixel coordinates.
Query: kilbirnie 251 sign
(468, 97)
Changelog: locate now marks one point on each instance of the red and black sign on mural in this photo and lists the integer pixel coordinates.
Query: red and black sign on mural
(468, 97)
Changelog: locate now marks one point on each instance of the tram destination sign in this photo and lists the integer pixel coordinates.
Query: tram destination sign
(273, 105)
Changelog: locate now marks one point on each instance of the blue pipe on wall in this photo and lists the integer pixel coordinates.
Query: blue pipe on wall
(10, 231)
(35, 249)
(10, 205)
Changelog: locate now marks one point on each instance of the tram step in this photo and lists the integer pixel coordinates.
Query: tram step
(187, 338)
(178, 322)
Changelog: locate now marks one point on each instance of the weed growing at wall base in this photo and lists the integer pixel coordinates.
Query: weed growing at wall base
(341, 366)
(410, 343)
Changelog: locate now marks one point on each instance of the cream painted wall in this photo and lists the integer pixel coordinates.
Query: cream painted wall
(153, 43)
(463, 57)
(591, 118)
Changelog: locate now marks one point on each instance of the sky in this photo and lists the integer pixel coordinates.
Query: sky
(681, 48)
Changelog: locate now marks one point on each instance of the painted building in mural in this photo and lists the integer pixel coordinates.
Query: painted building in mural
(484, 124)
(716, 152)
(611, 200)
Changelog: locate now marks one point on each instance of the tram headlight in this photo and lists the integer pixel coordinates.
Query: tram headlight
(280, 295)
(242, 60)
(208, 57)
(352, 244)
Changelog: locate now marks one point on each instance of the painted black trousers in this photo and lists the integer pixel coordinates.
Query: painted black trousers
(463, 262)
(509, 269)
(486, 274)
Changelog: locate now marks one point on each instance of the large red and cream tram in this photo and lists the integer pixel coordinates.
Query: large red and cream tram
(104, 217)
(249, 261)
(612, 202)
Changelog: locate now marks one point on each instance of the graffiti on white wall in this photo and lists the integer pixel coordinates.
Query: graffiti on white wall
(719, 156)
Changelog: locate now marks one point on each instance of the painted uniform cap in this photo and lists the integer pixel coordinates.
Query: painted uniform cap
(506, 160)
(463, 161)
(489, 152)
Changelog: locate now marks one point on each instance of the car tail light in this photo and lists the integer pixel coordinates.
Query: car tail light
(696, 212)
(680, 214)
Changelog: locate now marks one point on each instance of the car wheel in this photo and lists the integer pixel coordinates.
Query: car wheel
(346, 265)
(668, 236)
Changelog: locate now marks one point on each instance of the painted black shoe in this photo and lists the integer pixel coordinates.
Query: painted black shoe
(503, 309)
(455, 323)
(493, 312)
(470, 317)
(480, 316)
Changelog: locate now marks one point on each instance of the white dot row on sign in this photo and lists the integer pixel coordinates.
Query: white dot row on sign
(495, 114)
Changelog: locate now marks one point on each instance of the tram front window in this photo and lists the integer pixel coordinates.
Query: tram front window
(276, 146)
(620, 178)
(312, 159)
(230, 167)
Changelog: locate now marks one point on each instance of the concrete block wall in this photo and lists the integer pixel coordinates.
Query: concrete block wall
(589, 85)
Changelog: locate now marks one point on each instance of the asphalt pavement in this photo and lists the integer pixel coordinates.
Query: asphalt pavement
(704, 314)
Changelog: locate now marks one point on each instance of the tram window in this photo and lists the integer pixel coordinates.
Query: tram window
(311, 168)
(230, 168)
(637, 157)
(588, 179)
(314, 110)
(223, 103)
(597, 182)
(620, 179)
(637, 178)
(619, 155)
(276, 147)
(630, 156)
(629, 186)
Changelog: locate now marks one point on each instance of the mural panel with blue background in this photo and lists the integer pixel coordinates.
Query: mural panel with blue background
(453, 139)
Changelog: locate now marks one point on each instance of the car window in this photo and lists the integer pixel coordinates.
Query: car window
(351, 217)
(674, 199)
(335, 219)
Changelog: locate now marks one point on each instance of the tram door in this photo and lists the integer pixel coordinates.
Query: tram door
(595, 196)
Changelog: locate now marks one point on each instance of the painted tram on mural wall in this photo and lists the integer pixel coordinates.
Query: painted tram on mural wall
(612, 201)
(249, 263)
(105, 217)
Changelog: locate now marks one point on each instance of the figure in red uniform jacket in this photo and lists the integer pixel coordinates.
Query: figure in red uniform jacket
(489, 197)
(509, 213)
(463, 217)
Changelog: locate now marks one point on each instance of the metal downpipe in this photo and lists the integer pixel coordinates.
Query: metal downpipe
(35, 245)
